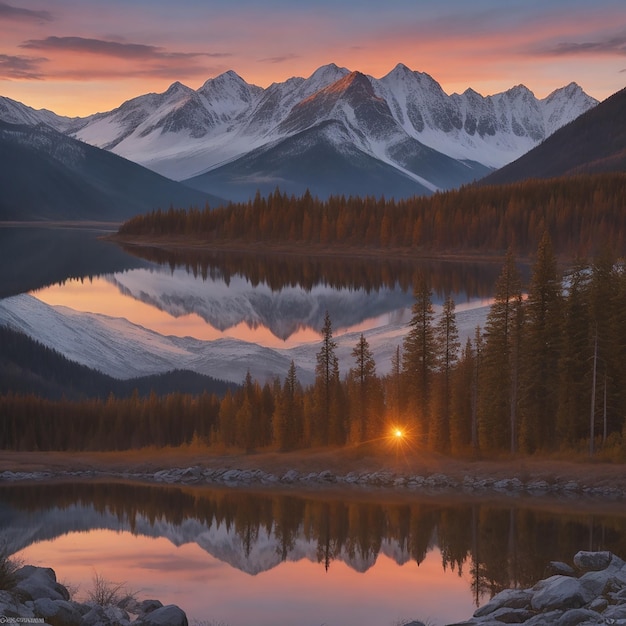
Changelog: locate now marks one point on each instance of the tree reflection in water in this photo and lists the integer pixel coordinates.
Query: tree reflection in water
(499, 543)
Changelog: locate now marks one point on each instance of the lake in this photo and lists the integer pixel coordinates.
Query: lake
(346, 558)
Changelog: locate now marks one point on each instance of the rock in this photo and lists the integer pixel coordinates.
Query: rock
(615, 612)
(57, 612)
(147, 606)
(574, 617)
(327, 476)
(598, 605)
(169, 615)
(507, 615)
(559, 592)
(10, 606)
(39, 597)
(592, 561)
(290, 476)
(598, 596)
(512, 598)
(597, 582)
(558, 567)
(116, 616)
(544, 618)
(39, 582)
(95, 616)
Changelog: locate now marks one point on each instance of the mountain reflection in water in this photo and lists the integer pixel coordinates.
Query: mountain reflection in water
(487, 545)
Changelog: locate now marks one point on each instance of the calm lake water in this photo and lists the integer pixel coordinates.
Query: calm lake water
(346, 558)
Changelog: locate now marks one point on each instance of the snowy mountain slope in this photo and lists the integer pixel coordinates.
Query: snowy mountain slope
(14, 112)
(322, 159)
(492, 130)
(404, 120)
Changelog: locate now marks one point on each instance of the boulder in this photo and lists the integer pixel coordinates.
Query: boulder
(10, 606)
(558, 567)
(573, 617)
(169, 615)
(39, 582)
(559, 592)
(592, 561)
(147, 606)
(511, 598)
(507, 615)
(57, 612)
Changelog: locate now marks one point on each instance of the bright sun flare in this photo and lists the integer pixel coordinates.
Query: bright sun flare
(398, 433)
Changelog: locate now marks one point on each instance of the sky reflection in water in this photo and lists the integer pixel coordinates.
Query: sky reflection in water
(299, 592)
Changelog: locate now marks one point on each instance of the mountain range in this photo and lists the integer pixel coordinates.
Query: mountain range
(338, 131)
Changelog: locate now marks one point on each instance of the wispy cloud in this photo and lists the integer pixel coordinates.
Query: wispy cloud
(117, 49)
(615, 45)
(21, 67)
(280, 59)
(8, 12)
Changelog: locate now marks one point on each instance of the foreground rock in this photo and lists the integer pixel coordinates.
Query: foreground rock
(38, 596)
(593, 592)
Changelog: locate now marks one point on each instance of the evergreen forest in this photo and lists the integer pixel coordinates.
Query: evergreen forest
(582, 215)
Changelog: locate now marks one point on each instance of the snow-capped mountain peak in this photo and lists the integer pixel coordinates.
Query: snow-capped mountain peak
(404, 120)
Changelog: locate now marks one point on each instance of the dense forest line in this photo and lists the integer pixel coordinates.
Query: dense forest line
(473, 538)
(29, 367)
(577, 212)
(546, 373)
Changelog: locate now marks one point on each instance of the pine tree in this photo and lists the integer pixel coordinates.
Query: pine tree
(540, 358)
(288, 412)
(363, 383)
(329, 424)
(418, 359)
(447, 351)
(574, 393)
(497, 418)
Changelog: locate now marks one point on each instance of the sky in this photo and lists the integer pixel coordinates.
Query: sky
(77, 57)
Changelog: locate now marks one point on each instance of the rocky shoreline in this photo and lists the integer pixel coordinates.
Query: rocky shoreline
(383, 478)
(38, 598)
(591, 592)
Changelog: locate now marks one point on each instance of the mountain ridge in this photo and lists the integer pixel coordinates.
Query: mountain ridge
(227, 128)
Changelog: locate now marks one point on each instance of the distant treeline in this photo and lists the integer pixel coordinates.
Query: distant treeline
(29, 367)
(546, 373)
(577, 212)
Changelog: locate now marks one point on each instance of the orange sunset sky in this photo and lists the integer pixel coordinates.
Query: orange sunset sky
(78, 57)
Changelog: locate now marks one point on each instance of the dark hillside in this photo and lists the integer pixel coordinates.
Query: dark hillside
(593, 143)
(45, 175)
